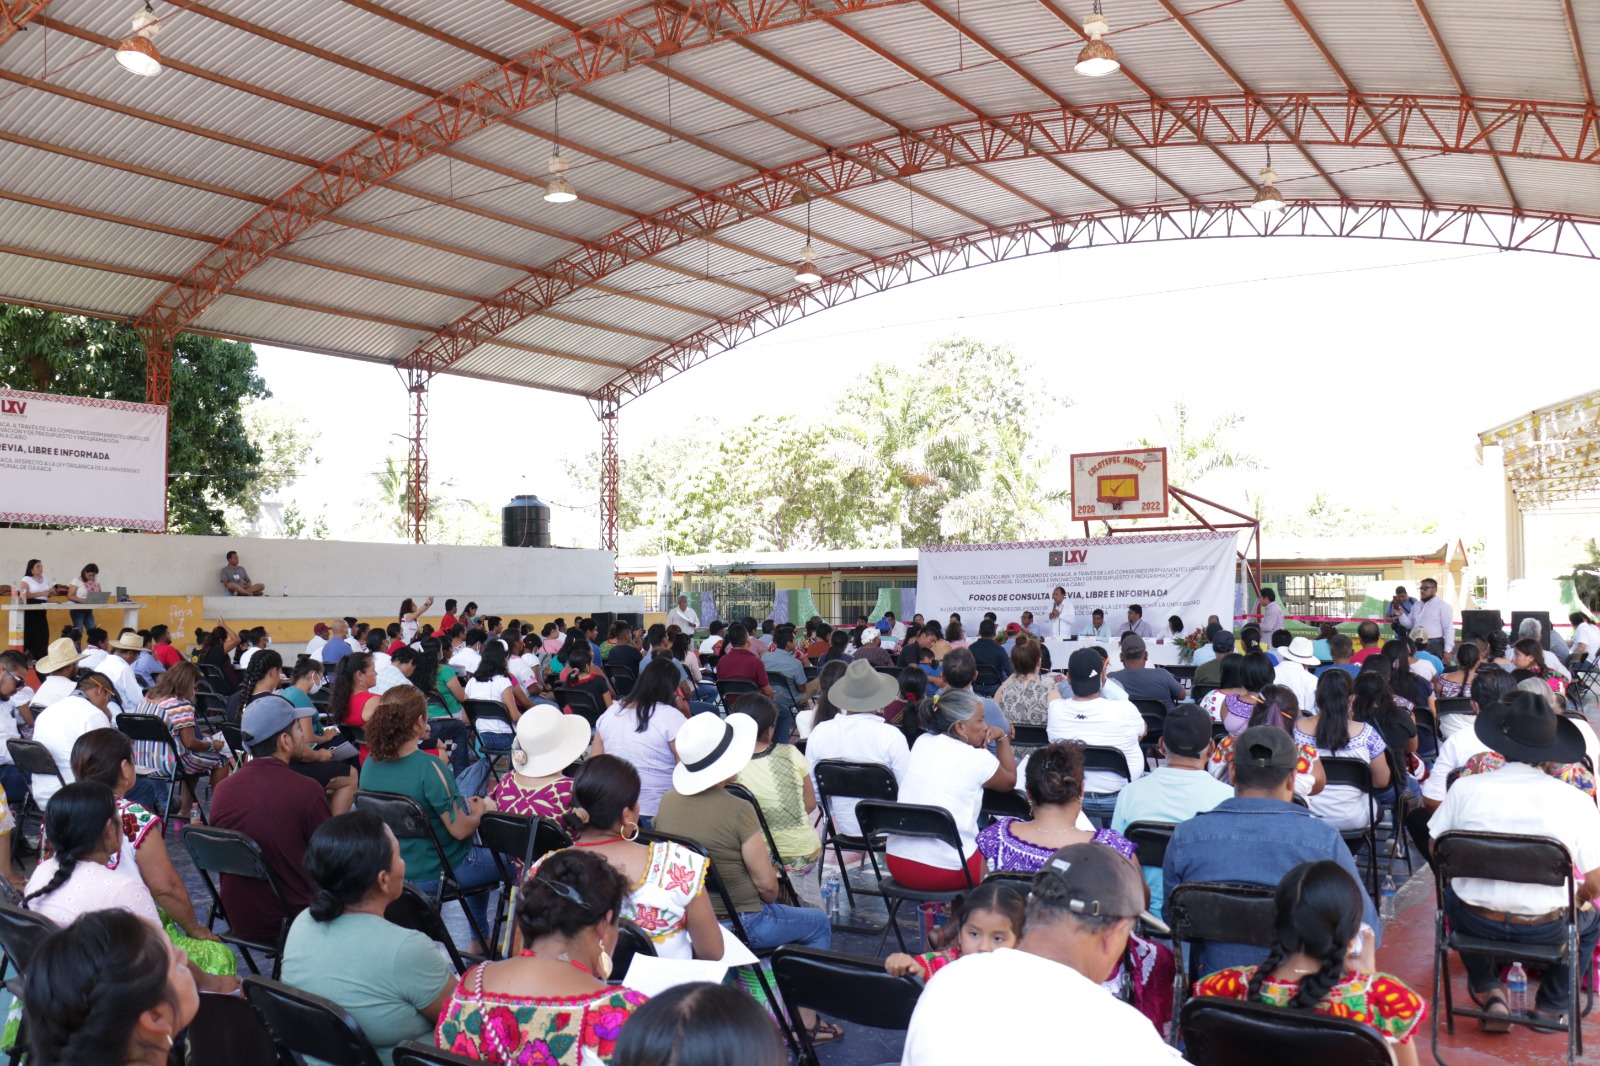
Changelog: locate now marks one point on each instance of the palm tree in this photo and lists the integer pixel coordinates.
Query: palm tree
(388, 511)
(1194, 454)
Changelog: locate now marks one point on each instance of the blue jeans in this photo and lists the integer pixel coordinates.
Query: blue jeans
(776, 924)
(1100, 806)
(455, 731)
(84, 620)
(474, 871)
(146, 792)
(16, 783)
(702, 707)
(1483, 972)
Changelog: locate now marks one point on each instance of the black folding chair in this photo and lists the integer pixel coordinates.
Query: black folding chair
(1444, 705)
(1200, 692)
(489, 711)
(1111, 760)
(1009, 804)
(415, 911)
(416, 1053)
(1427, 734)
(1152, 839)
(1227, 1032)
(1357, 774)
(233, 736)
(847, 987)
(32, 759)
(1030, 737)
(516, 841)
(152, 729)
(406, 819)
(309, 1026)
(988, 680)
(581, 701)
(214, 675)
(879, 820)
(1154, 713)
(1219, 913)
(631, 943)
(622, 679)
(21, 933)
(732, 688)
(229, 852)
(841, 779)
(787, 886)
(1523, 860)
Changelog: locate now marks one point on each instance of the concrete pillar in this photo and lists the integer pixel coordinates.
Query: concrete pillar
(1504, 556)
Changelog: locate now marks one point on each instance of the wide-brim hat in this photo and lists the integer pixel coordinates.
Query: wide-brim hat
(60, 653)
(126, 642)
(1529, 731)
(548, 741)
(711, 750)
(1300, 650)
(862, 688)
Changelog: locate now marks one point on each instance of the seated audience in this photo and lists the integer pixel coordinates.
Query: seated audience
(60, 725)
(579, 672)
(855, 731)
(986, 651)
(1335, 733)
(172, 700)
(147, 667)
(986, 919)
(339, 644)
(547, 742)
(1208, 660)
(1278, 708)
(1256, 837)
(1341, 649)
(950, 767)
(780, 780)
(1090, 717)
(1242, 677)
(395, 982)
(1080, 913)
(872, 650)
(794, 689)
(353, 679)
(1140, 681)
(1372, 701)
(465, 656)
(1324, 959)
(396, 727)
(1522, 798)
(1295, 661)
(1457, 684)
(551, 1003)
(1411, 690)
(80, 875)
(1371, 638)
(493, 683)
(1024, 696)
(643, 729)
(740, 663)
(961, 672)
(700, 1024)
(107, 989)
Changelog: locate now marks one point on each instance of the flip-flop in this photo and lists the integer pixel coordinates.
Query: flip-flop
(1499, 1024)
(824, 1033)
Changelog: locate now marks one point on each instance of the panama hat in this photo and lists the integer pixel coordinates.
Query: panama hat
(1300, 651)
(862, 688)
(548, 741)
(128, 641)
(60, 653)
(711, 750)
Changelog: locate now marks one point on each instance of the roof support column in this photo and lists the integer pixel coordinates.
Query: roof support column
(417, 382)
(610, 475)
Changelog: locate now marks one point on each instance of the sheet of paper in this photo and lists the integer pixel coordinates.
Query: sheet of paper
(653, 976)
(734, 951)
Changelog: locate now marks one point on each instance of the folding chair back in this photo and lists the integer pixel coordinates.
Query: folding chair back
(416, 1053)
(233, 736)
(1427, 733)
(1452, 705)
(1226, 1032)
(1009, 804)
(1111, 760)
(847, 987)
(309, 1025)
(622, 679)
(415, 911)
(229, 851)
(1031, 736)
(631, 941)
(988, 680)
(732, 688)
(1150, 709)
(1152, 839)
(581, 701)
(1223, 913)
(21, 933)
(784, 883)
(486, 710)
(880, 819)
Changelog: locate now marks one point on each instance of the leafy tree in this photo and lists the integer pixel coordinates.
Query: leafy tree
(1194, 453)
(1586, 577)
(212, 462)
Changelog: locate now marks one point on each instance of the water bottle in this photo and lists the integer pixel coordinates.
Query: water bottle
(1517, 989)
(286, 590)
(833, 895)
(1386, 893)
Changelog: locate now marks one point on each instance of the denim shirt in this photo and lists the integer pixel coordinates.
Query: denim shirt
(1253, 841)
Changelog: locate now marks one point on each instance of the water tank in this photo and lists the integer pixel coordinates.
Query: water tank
(525, 523)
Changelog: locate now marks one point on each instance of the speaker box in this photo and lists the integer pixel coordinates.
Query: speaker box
(603, 620)
(1481, 623)
(1544, 625)
(633, 618)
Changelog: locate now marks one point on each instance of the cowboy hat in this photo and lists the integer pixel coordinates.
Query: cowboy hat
(1524, 728)
(128, 641)
(1300, 651)
(548, 741)
(862, 688)
(711, 750)
(61, 653)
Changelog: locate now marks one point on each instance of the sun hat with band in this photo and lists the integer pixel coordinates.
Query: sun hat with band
(711, 750)
(1524, 728)
(862, 688)
(548, 741)
(129, 641)
(61, 653)
(1301, 650)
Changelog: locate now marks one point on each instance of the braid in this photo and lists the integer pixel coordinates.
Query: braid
(260, 663)
(1314, 986)
(1273, 960)
(64, 866)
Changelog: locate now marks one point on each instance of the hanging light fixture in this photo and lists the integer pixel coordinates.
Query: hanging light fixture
(1268, 199)
(1097, 58)
(558, 190)
(138, 52)
(807, 273)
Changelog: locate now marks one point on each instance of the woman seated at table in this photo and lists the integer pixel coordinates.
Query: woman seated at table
(1323, 959)
(550, 1004)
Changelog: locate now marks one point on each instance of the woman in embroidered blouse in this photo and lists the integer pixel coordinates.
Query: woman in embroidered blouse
(1457, 684)
(1243, 678)
(551, 1003)
(667, 896)
(546, 743)
(1025, 696)
(1334, 732)
(1279, 707)
(1323, 960)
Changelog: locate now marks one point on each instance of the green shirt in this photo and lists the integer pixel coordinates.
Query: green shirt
(720, 823)
(441, 684)
(382, 974)
(426, 779)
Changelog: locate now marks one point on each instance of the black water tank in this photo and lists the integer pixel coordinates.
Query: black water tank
(525, 523)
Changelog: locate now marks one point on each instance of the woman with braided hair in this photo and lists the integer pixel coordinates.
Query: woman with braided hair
(82, 825)
(1323, 960)
(107, 989)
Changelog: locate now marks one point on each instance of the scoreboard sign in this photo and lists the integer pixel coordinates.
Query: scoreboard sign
(1122, 484)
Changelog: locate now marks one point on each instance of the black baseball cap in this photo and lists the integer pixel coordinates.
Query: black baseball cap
(1095, 881)
(1222, 641)
(1266, 747)
(1187, 730)
(1083, 671)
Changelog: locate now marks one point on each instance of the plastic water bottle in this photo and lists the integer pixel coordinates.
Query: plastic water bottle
(1386, 894)
(1517, 989)
(833, 896)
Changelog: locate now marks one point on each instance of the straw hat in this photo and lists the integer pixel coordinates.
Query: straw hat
(128, 641)
(60, 653)
(862, 688)
(548, 741)
(711, 750)
(1300, 650)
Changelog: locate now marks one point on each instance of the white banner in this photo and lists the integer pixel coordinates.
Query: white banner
(72, 460)
(1190, 575)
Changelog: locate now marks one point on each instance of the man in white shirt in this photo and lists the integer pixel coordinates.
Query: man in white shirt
(319, 637)
(14, 700)
(396, 672)
(94, 648)
(1136, 623)
(1271, 615)
(118, 666)
(858, 733)
(683, 616)
(59, 728)
(1098, 722)
(1097, 628)
(470, 654)
(712, 645)
(1585, 637)
(1522, 800)
(1434, 615)
(1295, 655)
(1080, 913)
(1057, 623)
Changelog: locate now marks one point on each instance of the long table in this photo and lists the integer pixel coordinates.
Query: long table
(130, 615)
(1164, 653)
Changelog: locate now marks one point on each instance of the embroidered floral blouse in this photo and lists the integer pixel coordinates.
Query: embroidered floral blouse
(533, 1031)
(1375, 999)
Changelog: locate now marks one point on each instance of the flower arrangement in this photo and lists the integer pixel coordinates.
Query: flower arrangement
(1188, 645)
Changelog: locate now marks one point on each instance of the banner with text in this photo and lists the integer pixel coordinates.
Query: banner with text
(73, 460)
(1190, 575)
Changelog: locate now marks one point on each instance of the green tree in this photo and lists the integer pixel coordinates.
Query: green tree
(1586, 577)
(212, 462)
(1195, 452)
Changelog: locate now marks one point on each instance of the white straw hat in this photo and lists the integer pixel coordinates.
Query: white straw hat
(548, 741)
(711, 750)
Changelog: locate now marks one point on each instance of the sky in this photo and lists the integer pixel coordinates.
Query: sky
(1363, 368)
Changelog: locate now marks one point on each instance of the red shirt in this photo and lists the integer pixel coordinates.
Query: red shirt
(741, 664)
(167, 655)
(1364, 654)
(446, 622)
(396, 646)
(279, 809)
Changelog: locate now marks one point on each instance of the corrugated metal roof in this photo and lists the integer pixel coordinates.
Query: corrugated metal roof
(262, 92)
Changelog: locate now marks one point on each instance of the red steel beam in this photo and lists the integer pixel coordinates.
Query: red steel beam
(1463, 224)
(1577, 53)
(417, 469)
(16, 14)
(575, 59)
(1461, 87)
(610, 477)
(1438, 124)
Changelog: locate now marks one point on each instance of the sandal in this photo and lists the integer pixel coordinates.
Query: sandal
(1547, 1022)
(1501, 1023)
(824, 1033)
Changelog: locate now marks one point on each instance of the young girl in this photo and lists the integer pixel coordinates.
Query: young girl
(988, 917)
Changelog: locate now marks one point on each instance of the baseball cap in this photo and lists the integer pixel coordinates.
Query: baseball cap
(1420, 635)
(320, 629)
(1013, 628)
(1222, 642)
(1083, 671)
(1094, 881)
(1266, 747)
(1132, 644)
(1187, 730)
(265, 718)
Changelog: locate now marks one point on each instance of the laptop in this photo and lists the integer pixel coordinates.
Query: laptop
(97, 597)
(122, 594)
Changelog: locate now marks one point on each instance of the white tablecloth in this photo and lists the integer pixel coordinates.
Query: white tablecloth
(1160, 654)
